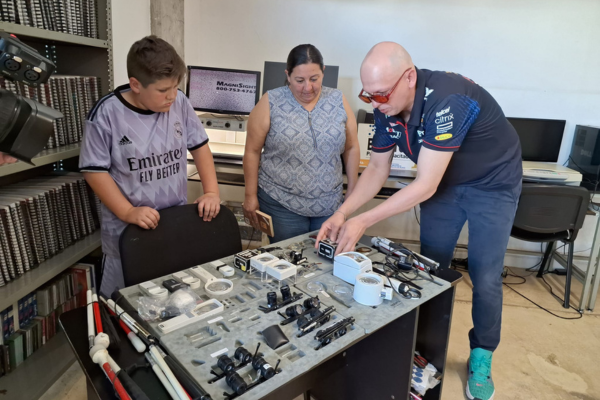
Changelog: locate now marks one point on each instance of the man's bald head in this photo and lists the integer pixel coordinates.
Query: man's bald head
(388, 70)
(383, 63)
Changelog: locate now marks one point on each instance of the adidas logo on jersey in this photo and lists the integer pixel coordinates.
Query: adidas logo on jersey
(125, 140)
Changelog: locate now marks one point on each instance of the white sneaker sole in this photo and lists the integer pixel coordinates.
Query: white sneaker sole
(470, 397)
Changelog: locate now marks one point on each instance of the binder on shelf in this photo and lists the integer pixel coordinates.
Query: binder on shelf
(77, 17)
(72, 95)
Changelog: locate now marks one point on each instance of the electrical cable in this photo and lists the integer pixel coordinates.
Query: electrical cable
(251, 237)
(508, 285)
(417, 218)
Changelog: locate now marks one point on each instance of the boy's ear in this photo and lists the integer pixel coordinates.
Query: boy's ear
(135, 85)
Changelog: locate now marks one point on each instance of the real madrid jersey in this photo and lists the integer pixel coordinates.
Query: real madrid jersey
(143, 151)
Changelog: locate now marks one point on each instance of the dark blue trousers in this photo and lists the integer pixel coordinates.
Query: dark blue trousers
(490, 216)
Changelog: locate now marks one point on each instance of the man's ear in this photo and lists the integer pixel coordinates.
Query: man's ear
(412, 78)
(135, 85)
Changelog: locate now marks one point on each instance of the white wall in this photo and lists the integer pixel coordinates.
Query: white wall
(538, 58)
(130, 23)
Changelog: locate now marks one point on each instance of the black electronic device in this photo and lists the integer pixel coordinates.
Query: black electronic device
(22, 63)
(25, 125)
(242, 260)
(298, 312)
(585, 155)
(294, 311)
(273, 304)
(242, 355)
(272, 299)
(332, 332)
(316, 321)
(172, 285)
(236, 382)
(274, 75)
(229, 371)
(540, 138)
(225, 363)
(327, 249)
(297, 257)
(286, 293)
(223, 91)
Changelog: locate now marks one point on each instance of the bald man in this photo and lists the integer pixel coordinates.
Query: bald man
(469, 169)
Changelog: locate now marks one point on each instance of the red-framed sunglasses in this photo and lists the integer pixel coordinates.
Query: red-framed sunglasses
(379, 98)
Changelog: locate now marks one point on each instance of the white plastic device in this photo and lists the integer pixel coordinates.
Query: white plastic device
(259, 262)
(369, 290)
(226, 271)
(213, 286)
(347, 266)
(201, 311)
(184, 277)
(281, 269)
(153, 290)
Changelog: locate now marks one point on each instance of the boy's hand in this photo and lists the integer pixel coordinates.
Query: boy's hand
(144, 217)
(209, 206)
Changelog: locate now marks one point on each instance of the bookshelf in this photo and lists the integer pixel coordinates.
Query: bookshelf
(13, 291)
(73, 55)
(28, 32)
(45, 157)
(39, 371)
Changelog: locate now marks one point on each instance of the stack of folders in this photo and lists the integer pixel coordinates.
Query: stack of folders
(74, 96)
(77, 17)
(42, 216)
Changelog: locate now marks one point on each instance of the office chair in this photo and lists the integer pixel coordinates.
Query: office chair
(548, 213)
(181, 240)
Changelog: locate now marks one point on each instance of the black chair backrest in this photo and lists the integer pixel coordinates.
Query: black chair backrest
(551, 208)
(181, 240)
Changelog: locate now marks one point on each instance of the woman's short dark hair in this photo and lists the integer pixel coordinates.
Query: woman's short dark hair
(304, 54)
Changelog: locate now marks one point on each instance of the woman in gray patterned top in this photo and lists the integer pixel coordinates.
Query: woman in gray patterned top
(303, 130)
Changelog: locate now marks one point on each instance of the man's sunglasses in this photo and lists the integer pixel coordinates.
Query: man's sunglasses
(379, 98)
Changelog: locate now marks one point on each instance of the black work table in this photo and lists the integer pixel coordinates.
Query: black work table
(372, 361)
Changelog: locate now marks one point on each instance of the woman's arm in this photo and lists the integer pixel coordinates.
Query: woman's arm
(259, 124)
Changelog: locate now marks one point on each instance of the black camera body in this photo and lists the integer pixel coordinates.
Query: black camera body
(25, 125)
(22, 63)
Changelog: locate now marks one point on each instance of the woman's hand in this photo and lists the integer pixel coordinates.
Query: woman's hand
(250, 206)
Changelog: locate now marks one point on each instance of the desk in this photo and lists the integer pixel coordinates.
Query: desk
(372, 361)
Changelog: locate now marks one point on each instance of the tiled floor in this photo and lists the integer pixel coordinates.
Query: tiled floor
(540, 356)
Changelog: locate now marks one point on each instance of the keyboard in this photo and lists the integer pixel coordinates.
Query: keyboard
(544, 174)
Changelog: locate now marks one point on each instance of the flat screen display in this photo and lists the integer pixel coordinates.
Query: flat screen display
(540, 138)
(223, 91)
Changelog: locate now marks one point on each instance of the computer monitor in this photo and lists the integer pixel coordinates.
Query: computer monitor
(223, 91)
(540, 138)
(274, 75)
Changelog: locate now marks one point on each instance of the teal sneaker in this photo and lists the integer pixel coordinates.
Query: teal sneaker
(480, 385)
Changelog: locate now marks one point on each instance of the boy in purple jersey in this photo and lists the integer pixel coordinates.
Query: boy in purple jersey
(133, 153)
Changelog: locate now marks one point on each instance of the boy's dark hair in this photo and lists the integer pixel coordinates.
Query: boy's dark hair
(151, 58)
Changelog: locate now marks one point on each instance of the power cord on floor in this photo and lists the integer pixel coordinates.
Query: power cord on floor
(508, 285)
